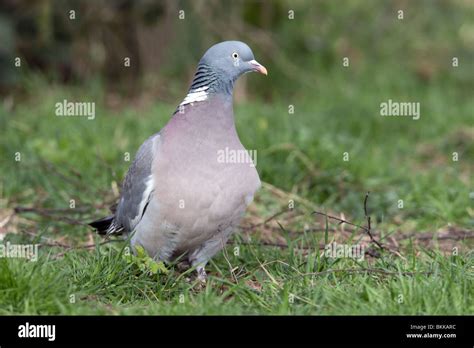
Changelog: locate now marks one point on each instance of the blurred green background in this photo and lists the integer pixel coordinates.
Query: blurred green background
(165, 39)
(46, 161)
(336, 108)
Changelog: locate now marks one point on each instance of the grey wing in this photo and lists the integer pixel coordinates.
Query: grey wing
(137, 187)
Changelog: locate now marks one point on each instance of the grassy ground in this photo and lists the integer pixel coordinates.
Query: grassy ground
(279, 267)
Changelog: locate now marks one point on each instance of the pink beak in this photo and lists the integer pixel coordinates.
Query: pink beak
(258, 67)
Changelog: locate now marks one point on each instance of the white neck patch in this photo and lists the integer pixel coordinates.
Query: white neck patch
(196, 95)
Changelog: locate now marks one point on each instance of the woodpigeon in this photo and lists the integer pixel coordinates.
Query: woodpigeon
(189, 184)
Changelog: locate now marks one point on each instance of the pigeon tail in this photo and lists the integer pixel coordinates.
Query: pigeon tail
(106, 225)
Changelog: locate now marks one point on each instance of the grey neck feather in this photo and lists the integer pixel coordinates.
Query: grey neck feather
(207, 77)
(206, 83)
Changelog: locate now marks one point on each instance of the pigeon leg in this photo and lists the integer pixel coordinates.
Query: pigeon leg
(206, 251)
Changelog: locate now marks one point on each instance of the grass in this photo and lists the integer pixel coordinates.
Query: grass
(271, 282)
(300, 156)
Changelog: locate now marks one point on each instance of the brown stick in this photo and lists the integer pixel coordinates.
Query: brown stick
(49, 213)
(365, 270)
(369, 228)
(366, 229)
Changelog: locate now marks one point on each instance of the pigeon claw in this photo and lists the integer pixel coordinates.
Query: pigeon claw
(202, 275)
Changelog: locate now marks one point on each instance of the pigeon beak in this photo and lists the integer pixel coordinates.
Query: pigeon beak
(256, 66)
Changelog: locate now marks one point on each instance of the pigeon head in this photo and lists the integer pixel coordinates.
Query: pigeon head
(219, 68)
(231, 59)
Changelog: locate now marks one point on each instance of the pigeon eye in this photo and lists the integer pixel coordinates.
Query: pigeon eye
(235, 55)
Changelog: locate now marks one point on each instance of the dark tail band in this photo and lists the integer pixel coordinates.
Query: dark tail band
(103, 225)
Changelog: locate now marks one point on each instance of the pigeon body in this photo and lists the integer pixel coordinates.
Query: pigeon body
(180, 198)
